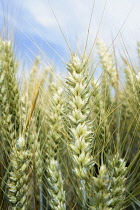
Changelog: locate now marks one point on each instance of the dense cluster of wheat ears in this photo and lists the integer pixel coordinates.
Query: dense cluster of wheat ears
(70, 143)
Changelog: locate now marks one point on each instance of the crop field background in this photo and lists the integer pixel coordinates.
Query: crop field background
(69, 105)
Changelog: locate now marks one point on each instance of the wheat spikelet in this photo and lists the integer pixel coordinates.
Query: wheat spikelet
(107, 62)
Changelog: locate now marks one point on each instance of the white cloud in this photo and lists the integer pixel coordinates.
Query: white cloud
(74, 15)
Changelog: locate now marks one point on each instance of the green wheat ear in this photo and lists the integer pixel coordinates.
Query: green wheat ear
(101, 198)
(109, 187)
(78, 89)
(55, 182)
(35, 152)
(9, 93)
(78, 116)
(107, 62)
(18, 179)
(117, 175)
(9, 105)
(8, 68)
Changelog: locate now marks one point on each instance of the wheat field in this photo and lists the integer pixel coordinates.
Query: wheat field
(70, 142)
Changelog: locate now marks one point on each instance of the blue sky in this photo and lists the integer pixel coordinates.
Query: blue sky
(34, 24)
